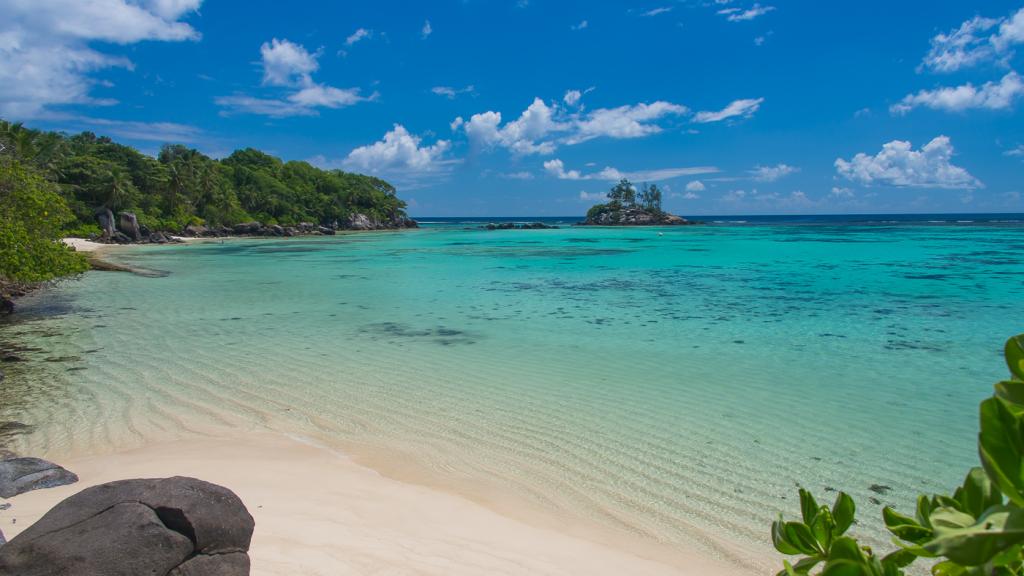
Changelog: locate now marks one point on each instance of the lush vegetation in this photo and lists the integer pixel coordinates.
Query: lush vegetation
(183, 186)
(624, 195)
(32, 216)
(976, 531)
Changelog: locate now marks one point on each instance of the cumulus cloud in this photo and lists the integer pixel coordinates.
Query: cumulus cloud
(744, 108)
(45, 54)
(695, 186)
(289, 65)
(399, 154)
(427, 29)
(572, 97)
(975, 41)
(286, 63)
(450, 92)
(898, 164)
(1017, 151)
(991, 95)
(740, 15)
(841, 192)
(624, 122)
(556, 168)
(581, 26)
(593, 196)
(772, 173)
(523, 135)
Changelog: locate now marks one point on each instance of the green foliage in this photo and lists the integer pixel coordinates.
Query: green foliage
(978, 531)
(650, 198)
(183, 186)
(32, 214)
(623, 193)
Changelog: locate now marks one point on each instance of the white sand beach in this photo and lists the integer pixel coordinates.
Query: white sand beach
(319, 513)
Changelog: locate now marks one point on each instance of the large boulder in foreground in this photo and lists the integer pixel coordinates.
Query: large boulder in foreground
(169, 526)
(19, 475)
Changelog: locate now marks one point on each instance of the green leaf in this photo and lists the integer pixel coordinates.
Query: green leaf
(1000, 448)
(1014, 351)
(974, 544)
(977, 494)
(905, 527)
(843, 512)
(948, 568)
(1013, 392)
(779, 539)
(808, 507)
(800, 536)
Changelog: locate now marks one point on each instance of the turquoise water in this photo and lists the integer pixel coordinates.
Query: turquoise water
(674, 383)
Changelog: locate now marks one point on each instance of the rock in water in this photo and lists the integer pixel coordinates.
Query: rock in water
(175, 526)
(19, 475)
(129, 225)
(357, 221)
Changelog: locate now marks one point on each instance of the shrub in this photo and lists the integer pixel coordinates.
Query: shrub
(978, 531)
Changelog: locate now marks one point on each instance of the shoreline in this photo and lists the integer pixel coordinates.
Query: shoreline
(350, 519)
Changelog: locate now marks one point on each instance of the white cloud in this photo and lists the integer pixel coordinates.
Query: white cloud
(359, 34)
(772, 173)
(991, 95)
(1018, 151)
(45, 53)
(399, 152)
(898, 164)
(691, 196)
(593, 196)
(974, 42)
(841, 192)
(695, 186)
(450, 93)
(556, 168)
(625, 121)
(739, 15)
(657, 11)
(581, 26)
(744, 108)
(286, 63)
(290, 65)
(521, 136)
(572, 97)
(427, 29)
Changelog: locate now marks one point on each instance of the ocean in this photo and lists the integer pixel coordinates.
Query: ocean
(673, 384)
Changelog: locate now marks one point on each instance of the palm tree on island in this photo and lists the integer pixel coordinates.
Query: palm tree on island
(625, 207)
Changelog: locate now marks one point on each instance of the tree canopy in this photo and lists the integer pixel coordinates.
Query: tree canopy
(182, 185)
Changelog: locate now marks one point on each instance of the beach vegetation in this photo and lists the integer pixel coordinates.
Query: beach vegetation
(32, 217)
(978, 530)
(182, 186)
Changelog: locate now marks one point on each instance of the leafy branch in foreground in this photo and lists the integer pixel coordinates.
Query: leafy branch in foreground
(978, 531)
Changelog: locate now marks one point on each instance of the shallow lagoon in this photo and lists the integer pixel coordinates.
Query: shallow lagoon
(674, 383)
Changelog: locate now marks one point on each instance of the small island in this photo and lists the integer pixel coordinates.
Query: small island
(626, 207)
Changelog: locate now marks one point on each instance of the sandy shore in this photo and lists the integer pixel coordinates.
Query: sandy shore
(83, 245)
(319, 513)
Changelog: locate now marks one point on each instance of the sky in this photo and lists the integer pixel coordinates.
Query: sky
(536, 107)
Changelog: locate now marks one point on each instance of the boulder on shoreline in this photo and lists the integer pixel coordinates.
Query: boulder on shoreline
(176, 526)
(20, 475)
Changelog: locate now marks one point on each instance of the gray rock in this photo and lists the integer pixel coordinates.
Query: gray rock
(20, 475)
(174, 526)
(357, 221)
(195, 231)
(248, 228)
(105, 218)
(129, 225)
(2, 539)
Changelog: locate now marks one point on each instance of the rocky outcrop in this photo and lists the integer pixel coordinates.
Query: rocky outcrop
(105, 219)
(128, 225)
(517, 226)
(174, 526)
(20, 475)
(610, 215)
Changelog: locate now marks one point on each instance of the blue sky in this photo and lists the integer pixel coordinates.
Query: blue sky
(534, 107)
